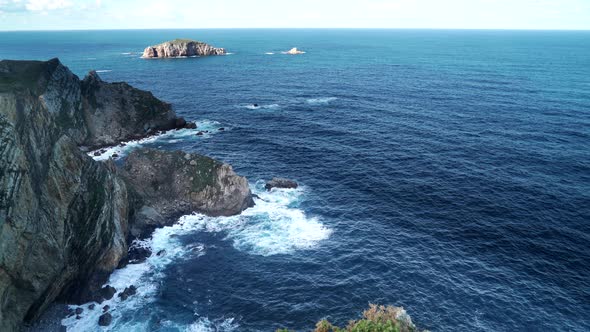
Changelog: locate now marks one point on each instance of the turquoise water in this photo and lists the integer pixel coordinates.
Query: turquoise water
(444, 171)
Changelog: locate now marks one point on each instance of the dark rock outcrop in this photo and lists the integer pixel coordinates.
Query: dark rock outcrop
(170, 184)
(128, 291)
(281, 183)
(181, 48)
(64, 217)
(117, 112)
(105, 319)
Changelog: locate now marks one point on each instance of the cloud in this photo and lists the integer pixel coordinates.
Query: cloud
(45, 5)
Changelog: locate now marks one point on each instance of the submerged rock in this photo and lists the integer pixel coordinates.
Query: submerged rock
(181, 48)
(281, 183)
(105, 319)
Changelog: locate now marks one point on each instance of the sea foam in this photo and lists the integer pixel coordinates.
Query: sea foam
(207, 127)
(322, 100)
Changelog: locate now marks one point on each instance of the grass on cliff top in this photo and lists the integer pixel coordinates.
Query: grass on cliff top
(18, 75)
(375, 319)
(184, 41)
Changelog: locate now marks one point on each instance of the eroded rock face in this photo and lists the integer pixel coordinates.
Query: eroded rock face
(172, 183)
(180, 48)
(116, 112)
(63, 216)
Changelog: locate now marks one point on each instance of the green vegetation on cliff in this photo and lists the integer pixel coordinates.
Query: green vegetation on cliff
(375, 319)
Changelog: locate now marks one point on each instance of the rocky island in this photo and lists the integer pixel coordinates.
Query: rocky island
(181, 48)
(66, 220)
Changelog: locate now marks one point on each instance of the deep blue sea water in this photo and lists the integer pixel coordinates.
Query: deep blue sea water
(447, 172)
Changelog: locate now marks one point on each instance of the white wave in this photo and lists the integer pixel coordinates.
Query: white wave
(257, 107)
(127, 53)
(322, 100)
(273, 226)
(206, 127)
(229, 53)
(104, 71)
(205, 325)
(145, 276)
(269, 53)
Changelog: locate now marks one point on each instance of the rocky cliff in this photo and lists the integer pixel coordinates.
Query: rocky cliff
(180, 48)
(65, 218)
(170, 184)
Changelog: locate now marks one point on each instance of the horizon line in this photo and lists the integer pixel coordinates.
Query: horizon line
(299, 28)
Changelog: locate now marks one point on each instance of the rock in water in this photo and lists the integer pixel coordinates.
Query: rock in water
(105, 319)
(281, 183)
(173, 183)
(181, 48)
(106, 293)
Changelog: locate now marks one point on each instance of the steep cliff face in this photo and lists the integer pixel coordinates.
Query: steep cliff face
(181, 47)
(63, 216)
(175, 183)
(114, 112)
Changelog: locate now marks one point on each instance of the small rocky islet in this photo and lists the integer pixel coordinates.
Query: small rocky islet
(181, 48)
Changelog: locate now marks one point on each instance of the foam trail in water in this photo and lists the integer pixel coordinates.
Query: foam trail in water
(269, 53)
(323, 100)
(104, 71)
(207, 128)
(257, 107)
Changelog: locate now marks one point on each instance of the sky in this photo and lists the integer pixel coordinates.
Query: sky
(170, 14)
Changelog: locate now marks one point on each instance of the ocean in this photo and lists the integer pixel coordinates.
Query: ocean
(444, 171)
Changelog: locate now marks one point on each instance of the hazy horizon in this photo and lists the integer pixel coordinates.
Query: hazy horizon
(50, 15)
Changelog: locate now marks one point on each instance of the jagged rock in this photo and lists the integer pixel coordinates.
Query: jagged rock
(173, 183)
(161, 252)
(181, 48)
(107, 293)
(79, 311)
(190, 125)
(105, 319)
(128, 291)
(116, 112)
(91, 307)
(138, 255)
(281, 183)
(106, 308)
(221, 129)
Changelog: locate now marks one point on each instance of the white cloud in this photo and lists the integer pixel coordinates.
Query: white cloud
(45, 5)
